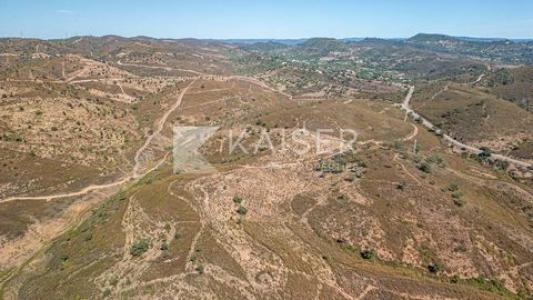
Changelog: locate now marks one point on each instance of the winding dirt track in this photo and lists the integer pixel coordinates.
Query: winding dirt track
(160, 124)
(135, 172)
(407, 108)
(159, 128)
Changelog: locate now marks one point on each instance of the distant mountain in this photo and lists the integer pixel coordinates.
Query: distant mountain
(324, 44)
(476, 39)
(352, 39)
(426, 37)
(290, 42)
(505, 50)
(265, 46)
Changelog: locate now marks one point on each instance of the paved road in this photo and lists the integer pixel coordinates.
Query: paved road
(407, 108)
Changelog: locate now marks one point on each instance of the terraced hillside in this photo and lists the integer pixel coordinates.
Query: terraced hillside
(91, 208)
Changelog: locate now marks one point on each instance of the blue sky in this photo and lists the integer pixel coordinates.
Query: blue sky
(266, 19)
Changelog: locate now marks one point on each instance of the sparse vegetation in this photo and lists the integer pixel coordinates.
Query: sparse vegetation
(401, 193)
(139, 247)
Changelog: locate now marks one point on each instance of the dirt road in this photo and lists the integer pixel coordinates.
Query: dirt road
(407, 108)
(159, 128)
(135, 172)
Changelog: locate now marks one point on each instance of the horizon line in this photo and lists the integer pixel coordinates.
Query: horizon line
(262, 38)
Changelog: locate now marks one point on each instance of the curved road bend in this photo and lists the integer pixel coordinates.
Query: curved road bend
(407, 108)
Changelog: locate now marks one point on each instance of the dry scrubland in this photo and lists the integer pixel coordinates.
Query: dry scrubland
(90, 207)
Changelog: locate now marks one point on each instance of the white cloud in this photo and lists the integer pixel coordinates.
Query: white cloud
(64, 11)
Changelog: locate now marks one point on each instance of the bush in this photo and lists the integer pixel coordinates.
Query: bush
(453, 187)
(200, 269)
(88, 236)
(424, 167)
(435, 159)
(106, 293)
(367, 254)
(139, 247)
(164, 246)
(459, 202)
(237, 199)
(485, 153)
(435, 268)
(260, 122)
(242, 210)
(455, 278)
(400, 186)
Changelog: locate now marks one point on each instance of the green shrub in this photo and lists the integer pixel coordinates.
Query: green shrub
(455, 278)
(237, 199)
(164, 246)
(435, 268)
(424, 167)
(139, 247)
(200, 269)
(400, 186)
(453, 187)
(88, 236)
(106, 293)
(435, 159)
(242, 210)
(368, 254)
(485, 153)
(459, 202)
